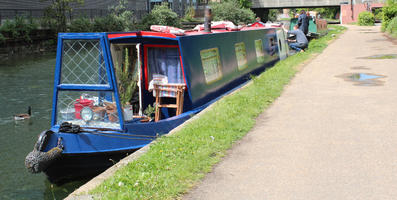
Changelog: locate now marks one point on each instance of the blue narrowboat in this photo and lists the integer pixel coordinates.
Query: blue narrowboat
(109, 86)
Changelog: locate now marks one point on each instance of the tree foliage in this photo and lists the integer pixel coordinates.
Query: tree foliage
(272, 16)
(366, 19)
(189, 15)
(20, 28)
(326, 12)
(123, 15)
(392, 27)
(160, 15)
(245, 3)
(389, 12)
(119, 19)
(231, 11)
(56, 13)
(80, 25)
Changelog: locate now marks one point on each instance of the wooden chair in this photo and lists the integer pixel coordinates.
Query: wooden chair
(171, 91)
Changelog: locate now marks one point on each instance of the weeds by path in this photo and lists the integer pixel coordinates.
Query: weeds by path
(175, 163)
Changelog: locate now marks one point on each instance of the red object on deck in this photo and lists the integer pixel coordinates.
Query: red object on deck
(80, 104)
(258, 24)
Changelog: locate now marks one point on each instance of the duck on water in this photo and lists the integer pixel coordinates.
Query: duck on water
(23, 116)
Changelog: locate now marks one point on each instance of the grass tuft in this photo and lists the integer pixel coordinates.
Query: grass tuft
(176, 162)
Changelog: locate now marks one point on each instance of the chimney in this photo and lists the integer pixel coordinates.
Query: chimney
(207, 19)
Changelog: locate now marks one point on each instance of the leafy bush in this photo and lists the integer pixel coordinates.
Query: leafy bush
(20, 28)
(160, 15)
(389, 12)
(2, 38)
(366, 19)
(107, 24)
(379, 16)
(122, 15)
(232, 11)
(55, 14)
(189, 15)
(245, 3)
(80, 25)
(145, 23)
(326, 13)
(272, 16)
(392, 27)
(8, 29)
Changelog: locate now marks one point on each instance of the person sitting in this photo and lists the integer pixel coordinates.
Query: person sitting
(301, 40)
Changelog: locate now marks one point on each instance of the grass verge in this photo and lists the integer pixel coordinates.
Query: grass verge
(175, 163)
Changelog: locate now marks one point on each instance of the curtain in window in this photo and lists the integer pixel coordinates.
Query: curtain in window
(165, 61)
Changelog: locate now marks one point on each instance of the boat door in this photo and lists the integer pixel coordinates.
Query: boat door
(127, 66)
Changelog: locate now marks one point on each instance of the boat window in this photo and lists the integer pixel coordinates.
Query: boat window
(83, 63)
(241, 55)
(125, 61)
(164, 62)
(260, 56)
(88, 108)
(211, 64)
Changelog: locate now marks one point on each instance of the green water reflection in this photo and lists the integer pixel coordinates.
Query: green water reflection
(25, 82)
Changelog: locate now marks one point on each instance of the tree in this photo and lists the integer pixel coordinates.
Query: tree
(160, 15)
(272, 16)
(123, 15)
(245, 3)
(56, 13)
(389, 12)
(232, 11)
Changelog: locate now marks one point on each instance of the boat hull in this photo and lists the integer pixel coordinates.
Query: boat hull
(72, 167)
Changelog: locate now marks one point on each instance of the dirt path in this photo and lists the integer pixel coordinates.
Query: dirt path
(325, 137)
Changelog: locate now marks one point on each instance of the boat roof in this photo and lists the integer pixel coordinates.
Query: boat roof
(167, 35)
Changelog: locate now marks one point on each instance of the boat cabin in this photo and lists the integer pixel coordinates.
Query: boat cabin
(123, 80)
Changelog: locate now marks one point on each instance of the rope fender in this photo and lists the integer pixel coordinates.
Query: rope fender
(38, 160)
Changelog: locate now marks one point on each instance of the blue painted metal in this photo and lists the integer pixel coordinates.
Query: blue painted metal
(84, 87)
(56, 81)
(201, 92)
(113, 81)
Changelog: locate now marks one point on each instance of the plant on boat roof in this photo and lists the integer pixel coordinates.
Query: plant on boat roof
(127, 77)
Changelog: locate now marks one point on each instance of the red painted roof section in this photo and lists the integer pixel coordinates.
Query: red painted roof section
(141, 33)
(170, 35)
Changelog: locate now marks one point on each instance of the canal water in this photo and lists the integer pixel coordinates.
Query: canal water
(26, 82)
